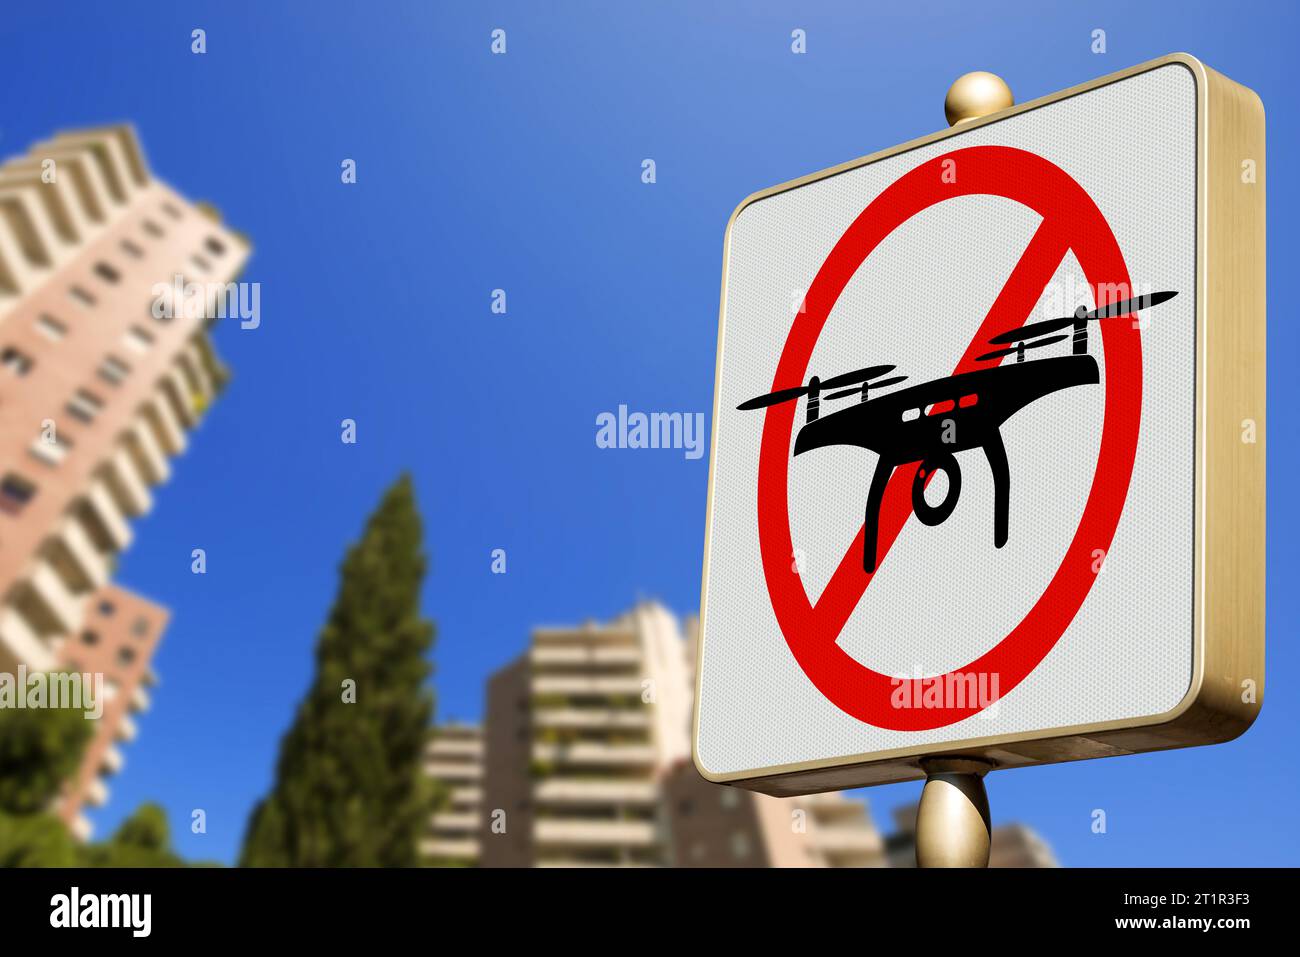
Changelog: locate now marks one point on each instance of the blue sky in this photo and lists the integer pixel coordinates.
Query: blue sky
(522, 172)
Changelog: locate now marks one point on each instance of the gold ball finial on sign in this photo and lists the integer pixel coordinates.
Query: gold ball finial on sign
(974, 95)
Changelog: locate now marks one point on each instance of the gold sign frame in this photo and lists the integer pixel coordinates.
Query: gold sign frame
(1227, 685)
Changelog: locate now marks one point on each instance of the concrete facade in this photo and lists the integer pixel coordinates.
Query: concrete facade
(99, 390)
(586, 763)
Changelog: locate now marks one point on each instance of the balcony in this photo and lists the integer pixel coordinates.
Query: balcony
(108, 524)
(586, 654)
(146, 452)
(112, 760)
(97, 793)
(455, 821)
(167, 428)
(578, 791)
(845, 840)
(81, 828)
(571, 863)
(466, 797)
(126, 484)
(91, 563)
(464, 849)
(21, 644)
(140, 700)
(455, 748)
(176, 393)
(595, 754)
(832, 809)
(56, 599)
(452, 771)
(196, 374)
(584, 685)
(595, 833)
(126, 728)
(579, 718)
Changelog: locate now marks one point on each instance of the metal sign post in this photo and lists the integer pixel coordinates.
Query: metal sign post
(952, 823)
(953, 828)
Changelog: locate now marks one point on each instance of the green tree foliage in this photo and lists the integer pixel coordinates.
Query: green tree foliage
(142, 840)
(40, 748)
(349, 790)
(36, 840)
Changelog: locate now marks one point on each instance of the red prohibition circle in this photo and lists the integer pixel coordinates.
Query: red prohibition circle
(1071, 221)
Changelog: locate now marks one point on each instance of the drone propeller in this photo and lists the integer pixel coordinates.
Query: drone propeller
(773, 398)
(785, 395)
(1012, 350)
(1121, 308)
(853, 378)
(874, 385)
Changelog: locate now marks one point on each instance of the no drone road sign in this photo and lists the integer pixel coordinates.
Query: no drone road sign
(988, 463)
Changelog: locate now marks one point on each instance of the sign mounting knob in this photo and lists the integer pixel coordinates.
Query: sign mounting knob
(977, 94)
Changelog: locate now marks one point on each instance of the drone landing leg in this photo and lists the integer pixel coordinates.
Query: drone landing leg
(996, 453)
(870, 530)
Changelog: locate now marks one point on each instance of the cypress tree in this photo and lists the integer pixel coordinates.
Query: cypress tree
(349, 789)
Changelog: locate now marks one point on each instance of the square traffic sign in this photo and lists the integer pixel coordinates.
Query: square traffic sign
(987, 474)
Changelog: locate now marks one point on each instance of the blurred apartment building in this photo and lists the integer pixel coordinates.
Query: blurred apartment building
(97, 393)
(454, 759)
(584, 760)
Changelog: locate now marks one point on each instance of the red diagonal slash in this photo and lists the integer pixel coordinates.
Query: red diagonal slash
(1070, 221)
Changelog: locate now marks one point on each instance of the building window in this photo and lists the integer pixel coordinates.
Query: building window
(18, 363)
(153, 229)
(15, 493)
(215, 246)
(171, 210)
(740, 845)
(106, 608)
(138, 339)
(113, 370)
(140, 628)
(107, 273)
(84, 406)
(50, 327)
(729, 797)
(131, 249)
(90, 637)
(125, 656)
(79, 294)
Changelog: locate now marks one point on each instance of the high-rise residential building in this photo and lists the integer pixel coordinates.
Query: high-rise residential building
(454, 759)
(579, 732)
(586, 762)
(716, 826)
(102, 374)
(117, 639)
(1018, 845)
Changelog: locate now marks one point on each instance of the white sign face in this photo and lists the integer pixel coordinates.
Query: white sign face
(1002, 542)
